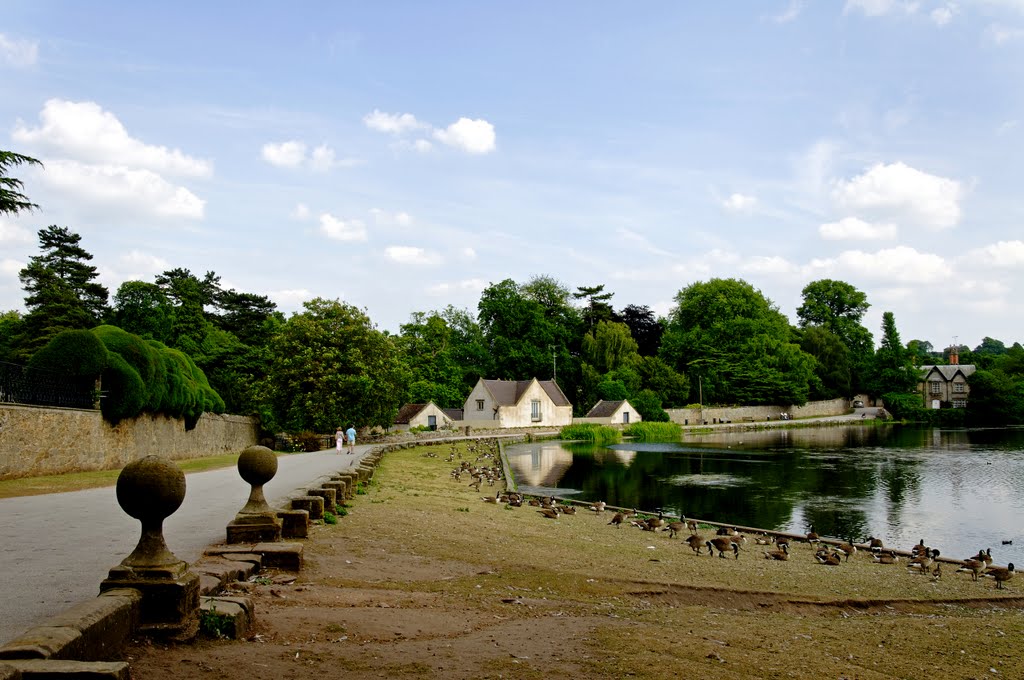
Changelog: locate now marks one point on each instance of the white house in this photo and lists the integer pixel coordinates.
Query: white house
(517, 403)
(615, 412)
(421, 415)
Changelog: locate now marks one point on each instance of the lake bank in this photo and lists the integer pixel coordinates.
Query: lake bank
(423, 578)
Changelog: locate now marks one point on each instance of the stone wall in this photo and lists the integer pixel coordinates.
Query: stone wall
(740, 414)
(38, 440)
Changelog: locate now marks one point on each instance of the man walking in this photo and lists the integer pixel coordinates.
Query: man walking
(351, 434)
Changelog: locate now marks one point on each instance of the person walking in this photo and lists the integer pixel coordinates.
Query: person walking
(339, 437)
(351, 434)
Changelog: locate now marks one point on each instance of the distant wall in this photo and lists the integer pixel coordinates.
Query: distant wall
(739, 414)
(38, 440)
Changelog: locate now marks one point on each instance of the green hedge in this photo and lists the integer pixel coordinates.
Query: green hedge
(124, 393)
(75, 353)
(590, 432)
(139, 355)
(649, 432)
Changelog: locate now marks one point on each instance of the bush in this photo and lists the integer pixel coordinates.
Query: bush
(330, 517)
(590, 432)
(74, 353)
(124, 393)
(140, 355)
(648, 405)
(649, 432)
(310, 441)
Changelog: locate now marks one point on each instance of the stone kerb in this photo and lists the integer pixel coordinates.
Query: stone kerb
(329, 495)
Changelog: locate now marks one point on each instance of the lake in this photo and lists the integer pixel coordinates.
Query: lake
(959, 490)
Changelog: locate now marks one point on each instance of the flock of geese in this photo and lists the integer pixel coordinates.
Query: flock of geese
(921, 558)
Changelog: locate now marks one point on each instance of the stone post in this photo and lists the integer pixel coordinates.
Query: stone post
(151, 490)
(256, 522)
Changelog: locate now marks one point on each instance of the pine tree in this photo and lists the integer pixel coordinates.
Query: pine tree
(12, 201)
(894, 364)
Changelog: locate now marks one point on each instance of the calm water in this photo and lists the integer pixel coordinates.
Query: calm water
(960, 490)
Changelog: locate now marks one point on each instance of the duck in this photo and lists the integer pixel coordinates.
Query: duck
(721, 544)
(696, 542)
(781, 555)
(1000, 574)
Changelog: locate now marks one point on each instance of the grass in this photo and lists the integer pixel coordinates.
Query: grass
(95, 479)
(654, 432)
(590, 432)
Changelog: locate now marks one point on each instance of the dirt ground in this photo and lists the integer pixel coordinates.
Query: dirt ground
(424, 579)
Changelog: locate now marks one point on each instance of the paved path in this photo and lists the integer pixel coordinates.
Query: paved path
(55, 549)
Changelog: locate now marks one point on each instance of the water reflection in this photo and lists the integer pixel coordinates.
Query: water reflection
(961, 490)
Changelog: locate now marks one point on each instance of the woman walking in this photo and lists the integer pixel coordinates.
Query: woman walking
(339, 437)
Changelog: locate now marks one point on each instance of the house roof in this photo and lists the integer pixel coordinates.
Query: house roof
(454, 413)
(509, 392)
(408, 412)
(949, 371)
(604, 409)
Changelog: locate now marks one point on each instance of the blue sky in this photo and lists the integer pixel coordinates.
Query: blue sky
(402, 156)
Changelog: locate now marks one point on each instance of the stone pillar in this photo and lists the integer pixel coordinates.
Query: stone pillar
(151, 490)
(256, 522)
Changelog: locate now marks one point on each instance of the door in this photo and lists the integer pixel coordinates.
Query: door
(432, 422)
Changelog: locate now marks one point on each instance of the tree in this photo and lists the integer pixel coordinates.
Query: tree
(597, 308)
(192, 296)
(644, 327)
(839, 307)
(996, 399)
(143, 309)
(428, 348)
(832, 362)
(609, 346)
(894, 369)
(922, 351)
(61, 291)
(731, 337)
(12, 201)
(244, 314)
(330, 366)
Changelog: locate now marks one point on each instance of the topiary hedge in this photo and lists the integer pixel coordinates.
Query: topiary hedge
(124, 392)
(76, 353)
(139, 355)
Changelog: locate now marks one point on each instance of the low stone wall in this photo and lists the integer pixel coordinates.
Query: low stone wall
(44, 441)
(740, 414)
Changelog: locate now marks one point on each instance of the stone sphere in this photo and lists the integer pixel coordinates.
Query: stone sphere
(257, 465)
(150, 488)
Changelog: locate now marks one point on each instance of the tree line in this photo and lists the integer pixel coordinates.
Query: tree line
(723, 342)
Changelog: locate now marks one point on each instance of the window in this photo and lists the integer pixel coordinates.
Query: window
(936, 387)
(535, 410)
(479, 404)
(959, 403)
(958, 387)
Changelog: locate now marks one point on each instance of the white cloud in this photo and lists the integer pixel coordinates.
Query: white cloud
(1000, 35)
(901, 264)
(136, 265)
(411, 255)
(468, 253)
(422, 145)
(641, 241)
(13, 234)
(142, 191)
(83, 131)
(877, 8)
(852, 228)
(759, 264)
(471, 136)
(322, 159)
(1007, 127)
(738, 203)
(943, 15)
(301, 211)
(791, 12)
(18, 53)
(393, 123)
(898, 191)
(342, 230)
(384, 218)
(290, 299)
(466, 285)
(11, 267)
(285, 154)
(1004, 254)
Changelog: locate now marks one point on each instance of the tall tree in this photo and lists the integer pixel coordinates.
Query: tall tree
(61, 290)
(12, 201)
(143, 309)
(644, 327)
(597, 308)
(832, 362)
(839, 307)
(894, 370)
(428, 346)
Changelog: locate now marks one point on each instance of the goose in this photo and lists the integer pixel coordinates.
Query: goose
(696, 542)
(567, 509)
(919, 549)
(974, 566)
(923, 562)
(655, 523)
(721, 544)
(550, 513)
(985, 556)
(764, 539)
(812, 536)
(847, 549)
(490, 499)
(888, 557)
(781, 555)
(618, 519)
(673, 528)
(727, 531)
(598, 506)
(692, 526)
(1000, 574)
(875, 544)
(782, 541)
(829, 558)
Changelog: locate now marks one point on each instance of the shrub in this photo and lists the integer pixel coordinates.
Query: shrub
(648, 405)
(74, 353)
(124, 392)
(648, 432)
(590, 432)
(140, 355)
(310, 441)
(330, 517)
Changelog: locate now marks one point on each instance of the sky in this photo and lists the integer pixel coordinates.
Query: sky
(402, 156)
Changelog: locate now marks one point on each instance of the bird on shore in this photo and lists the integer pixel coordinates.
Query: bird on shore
(781, 555)
(812, 536)
(1000, 574)
(887, 557)
(618, 519)
(875, 544)
(550, 513)
(847, 549)
(696, 542)
(923, 562)
(829, 558)
(674, 528)
(764, 539)
(974, 566)
(721, 544)
(598, 506)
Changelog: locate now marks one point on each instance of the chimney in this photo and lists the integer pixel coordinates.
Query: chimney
(954, 356)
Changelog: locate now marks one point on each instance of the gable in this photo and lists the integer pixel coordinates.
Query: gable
(605, 409)
(408, 412)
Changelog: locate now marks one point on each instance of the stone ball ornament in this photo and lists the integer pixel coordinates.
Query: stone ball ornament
(151, 489)
(257, 465)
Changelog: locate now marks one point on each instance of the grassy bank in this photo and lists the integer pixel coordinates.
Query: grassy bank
(425, 579)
